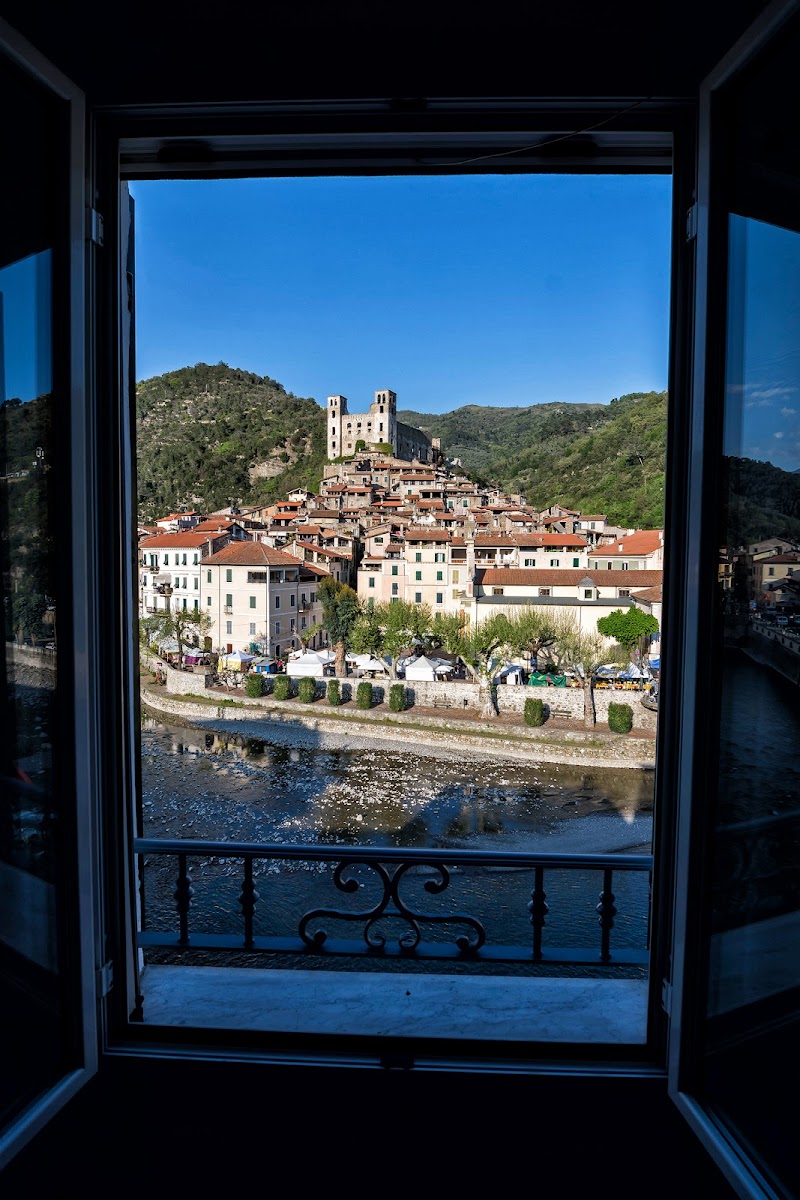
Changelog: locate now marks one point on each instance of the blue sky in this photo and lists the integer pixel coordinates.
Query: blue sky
(499, 290)
(763, 351)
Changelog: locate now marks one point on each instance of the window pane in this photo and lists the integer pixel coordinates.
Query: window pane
(34, 532)
(754, 964)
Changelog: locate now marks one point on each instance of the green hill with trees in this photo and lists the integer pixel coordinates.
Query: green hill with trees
(211, 435)
(599, 458)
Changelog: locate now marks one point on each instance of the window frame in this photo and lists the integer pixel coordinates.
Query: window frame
(84, 773)
(130, 137)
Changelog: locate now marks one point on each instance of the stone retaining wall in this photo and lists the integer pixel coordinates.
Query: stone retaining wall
(434, 734)
(457, 696)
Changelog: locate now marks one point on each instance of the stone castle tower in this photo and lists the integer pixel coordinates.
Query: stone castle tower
(346, 429)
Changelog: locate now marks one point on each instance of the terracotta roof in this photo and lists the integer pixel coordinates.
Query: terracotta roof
(325, 512)
(781, 558)
(323, 550)
(650, 594)
(427, 535)
(644, 541)
(168, 540)
(552, 541)
(594, 517)
(487, 541)
(313, 568)
(570, 577)
(250, 554)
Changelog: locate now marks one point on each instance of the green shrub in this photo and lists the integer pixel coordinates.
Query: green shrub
(254, 685)
(282, 689)
(620, 718)
(307, 690)
(534, 711)
(364, 694)
(397, 697)
(334, 692)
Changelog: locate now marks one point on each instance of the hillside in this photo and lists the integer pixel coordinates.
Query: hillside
(210, 435)
(593, 457)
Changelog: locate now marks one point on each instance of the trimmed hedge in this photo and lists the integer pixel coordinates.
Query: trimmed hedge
(282, 689)
(534, 711)
(254, 686)
(620, 718)
(364, 694)
(307, 690)
(334, 692)
(397, 697)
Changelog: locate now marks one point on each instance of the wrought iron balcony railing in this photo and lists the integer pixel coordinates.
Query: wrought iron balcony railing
(389, 870)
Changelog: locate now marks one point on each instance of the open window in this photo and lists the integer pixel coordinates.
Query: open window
(741, 227)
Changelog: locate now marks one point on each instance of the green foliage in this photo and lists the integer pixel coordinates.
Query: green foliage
(367, 633)
(306, 690)
(334, 692)
(384, 447)
(364, 694)
(620, 718)
(188, 626)
(601, 458)
(534, 711)
(282, 688)
(201, 429)
(360, 445)
(761, 501)
(397, 697)
(628, 627)
(254, 685)
(340, 609)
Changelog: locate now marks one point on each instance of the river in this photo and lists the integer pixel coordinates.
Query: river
(228, 783)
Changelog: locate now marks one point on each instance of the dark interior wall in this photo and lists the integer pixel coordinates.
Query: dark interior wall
(174, 52)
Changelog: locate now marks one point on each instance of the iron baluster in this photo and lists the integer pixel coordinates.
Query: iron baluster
(248, 899)
(538, 908)
(183, 898)
(607, 913)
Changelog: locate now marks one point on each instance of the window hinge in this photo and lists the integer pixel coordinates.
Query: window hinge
(691, 223)
(95, 227)
(666, 996)
(104, 978)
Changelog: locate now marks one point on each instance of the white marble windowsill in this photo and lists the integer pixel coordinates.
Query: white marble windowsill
(503, 1008)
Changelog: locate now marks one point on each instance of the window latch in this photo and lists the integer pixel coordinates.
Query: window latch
(666, 996)
(104, 979)
(691, 223)
(95, 227)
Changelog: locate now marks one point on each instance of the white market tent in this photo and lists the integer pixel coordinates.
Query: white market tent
(422, 669)
(511, 673)
(309, 663)
(367, 662)
(633, 672)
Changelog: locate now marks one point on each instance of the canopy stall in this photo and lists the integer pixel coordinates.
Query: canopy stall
(310, 663)
(237, 660)
(421, 669)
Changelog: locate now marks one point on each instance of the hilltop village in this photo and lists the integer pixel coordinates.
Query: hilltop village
(395, 520)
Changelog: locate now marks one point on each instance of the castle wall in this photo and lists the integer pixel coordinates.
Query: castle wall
(379, 425)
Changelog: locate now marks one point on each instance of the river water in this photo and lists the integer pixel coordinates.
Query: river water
(229, 782)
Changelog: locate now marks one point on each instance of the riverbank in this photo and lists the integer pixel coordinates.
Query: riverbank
(291, 723)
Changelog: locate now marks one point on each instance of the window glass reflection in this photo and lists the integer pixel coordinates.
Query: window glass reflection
(755, 919)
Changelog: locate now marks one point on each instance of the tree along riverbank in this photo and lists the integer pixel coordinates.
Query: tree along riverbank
(450, 737)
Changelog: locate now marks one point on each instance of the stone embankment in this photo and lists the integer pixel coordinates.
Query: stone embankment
(445, 735)
(774, 646)
(461, 697)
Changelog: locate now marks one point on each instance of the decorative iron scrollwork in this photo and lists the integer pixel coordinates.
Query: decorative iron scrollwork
(391, 905)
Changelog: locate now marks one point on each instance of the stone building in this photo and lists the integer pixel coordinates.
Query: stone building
(378, 427)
